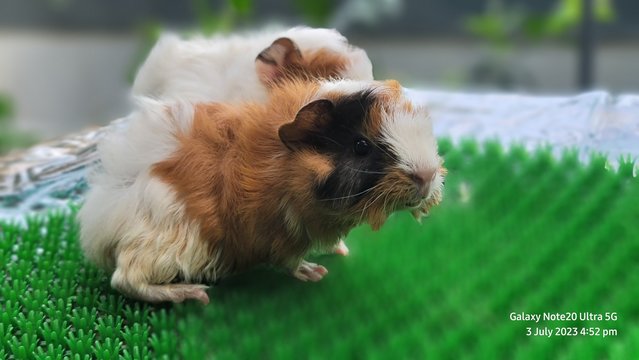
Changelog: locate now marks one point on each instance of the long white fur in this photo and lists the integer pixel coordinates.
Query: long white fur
(122, 185)
(135, 218)
(346, 86)
(410, 134)
(222, 68)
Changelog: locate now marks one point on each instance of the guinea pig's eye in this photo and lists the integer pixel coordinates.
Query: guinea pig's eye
(362, 147)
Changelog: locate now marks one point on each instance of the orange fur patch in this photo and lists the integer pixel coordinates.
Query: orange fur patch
(408, 106)
(394, 85)
(315, 163)
(316, 64)
(323, 63)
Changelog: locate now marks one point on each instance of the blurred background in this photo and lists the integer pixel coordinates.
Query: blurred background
(67, 64)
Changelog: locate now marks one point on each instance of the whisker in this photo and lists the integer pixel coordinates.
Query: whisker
(351, 195)
(392, 156)
(368, 204)
(386, 199)
(365, 171)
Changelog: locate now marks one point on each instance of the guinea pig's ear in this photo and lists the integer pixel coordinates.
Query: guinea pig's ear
(311, 119)
(272, 61)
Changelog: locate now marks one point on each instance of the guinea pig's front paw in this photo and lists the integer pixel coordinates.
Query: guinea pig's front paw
(340, 248)
(307, 271)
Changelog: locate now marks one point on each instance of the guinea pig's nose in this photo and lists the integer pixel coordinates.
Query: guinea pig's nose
(422, 179)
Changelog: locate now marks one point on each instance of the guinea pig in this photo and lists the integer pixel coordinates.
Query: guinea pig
(192, 193)
(244, 67)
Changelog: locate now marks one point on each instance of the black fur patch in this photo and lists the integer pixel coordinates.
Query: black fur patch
(354, 175)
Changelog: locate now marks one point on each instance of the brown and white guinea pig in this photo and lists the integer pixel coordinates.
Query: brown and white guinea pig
(192, 193)
(243, 67)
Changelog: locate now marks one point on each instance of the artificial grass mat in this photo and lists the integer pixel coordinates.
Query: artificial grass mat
(517, 232)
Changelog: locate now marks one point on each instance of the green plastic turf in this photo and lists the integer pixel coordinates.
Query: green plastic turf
(517, 232)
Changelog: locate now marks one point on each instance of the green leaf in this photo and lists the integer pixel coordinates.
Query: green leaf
(604, 10)
(6, 108)
(489, 27)
(242, 7)
(536, 26)
(568, 13)
(316, 13)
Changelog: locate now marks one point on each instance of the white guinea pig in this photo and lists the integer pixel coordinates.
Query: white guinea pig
(242, 67)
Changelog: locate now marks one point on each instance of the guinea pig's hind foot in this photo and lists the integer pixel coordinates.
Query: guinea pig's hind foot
(176, 293)
(179, 292)
(307, 271)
